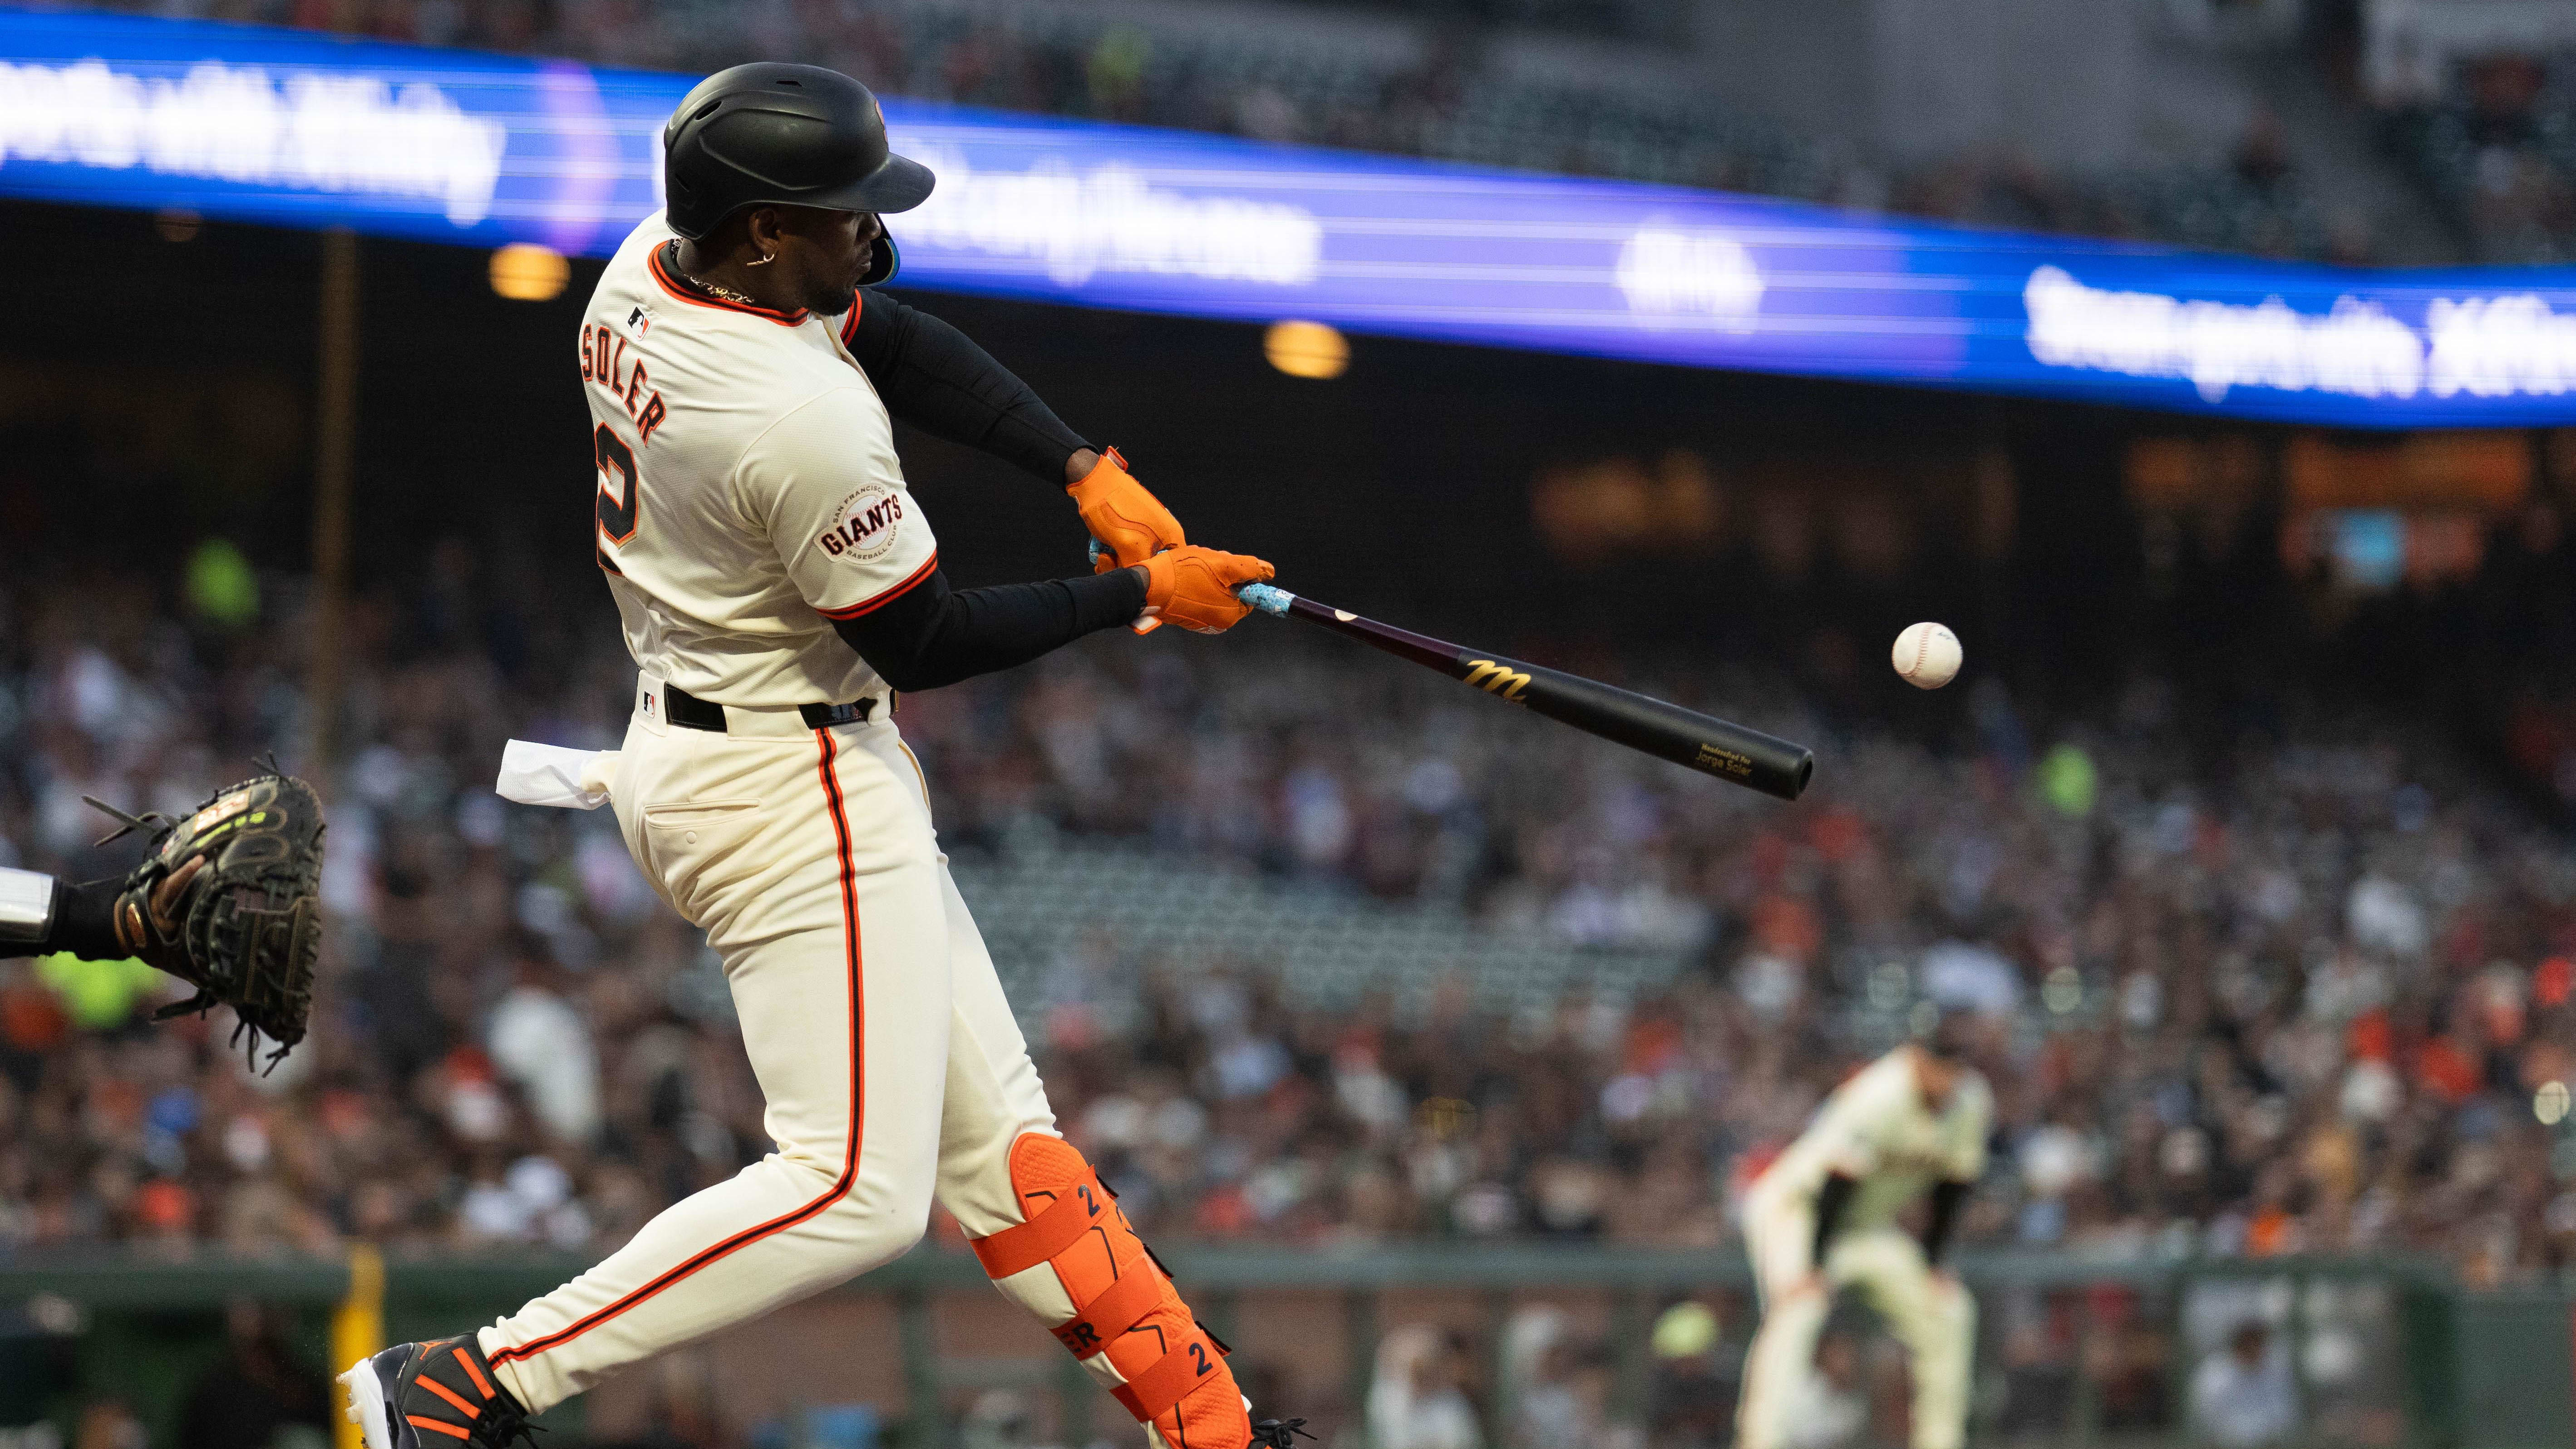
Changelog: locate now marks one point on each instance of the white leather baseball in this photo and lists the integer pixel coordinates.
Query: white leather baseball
(1927, 655)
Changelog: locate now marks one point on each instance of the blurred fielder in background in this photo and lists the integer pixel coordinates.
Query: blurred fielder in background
(1823, 1217)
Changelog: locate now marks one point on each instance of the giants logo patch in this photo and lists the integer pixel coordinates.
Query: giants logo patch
(867, 525)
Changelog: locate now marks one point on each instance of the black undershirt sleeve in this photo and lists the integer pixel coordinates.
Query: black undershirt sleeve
(934, 377)
(84, 921)
(1831, 1199)
(931, 635)
(1947, 1198)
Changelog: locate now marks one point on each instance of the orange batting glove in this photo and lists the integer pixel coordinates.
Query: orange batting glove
(1194, 587)
(1131, 523)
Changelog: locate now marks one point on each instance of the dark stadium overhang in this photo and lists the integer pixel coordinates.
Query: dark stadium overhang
(300, 129)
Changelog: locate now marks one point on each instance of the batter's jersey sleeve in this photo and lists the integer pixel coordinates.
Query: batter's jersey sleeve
(825, 487)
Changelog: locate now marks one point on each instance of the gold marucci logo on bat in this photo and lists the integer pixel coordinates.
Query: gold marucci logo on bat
(1494, 678)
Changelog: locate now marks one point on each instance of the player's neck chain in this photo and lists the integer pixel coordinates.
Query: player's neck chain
(728, 293)
(711, 288)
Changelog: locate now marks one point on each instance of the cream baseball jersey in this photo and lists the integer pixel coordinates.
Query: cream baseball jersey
(1876, 1129)
(749, 493)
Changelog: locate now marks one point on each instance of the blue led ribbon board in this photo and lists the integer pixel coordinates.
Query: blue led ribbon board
(299, 129)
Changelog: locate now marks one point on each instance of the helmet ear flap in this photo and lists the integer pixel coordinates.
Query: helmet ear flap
(888, 261)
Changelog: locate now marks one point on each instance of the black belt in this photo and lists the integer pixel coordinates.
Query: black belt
(690, 712)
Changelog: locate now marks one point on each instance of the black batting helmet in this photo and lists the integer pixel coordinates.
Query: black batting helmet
(794, 135)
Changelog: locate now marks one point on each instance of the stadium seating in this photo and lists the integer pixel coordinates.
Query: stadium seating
(1327, 950)
(2497, 144)
(1284, 924)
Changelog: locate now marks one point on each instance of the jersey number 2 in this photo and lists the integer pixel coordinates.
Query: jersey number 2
(620, 505)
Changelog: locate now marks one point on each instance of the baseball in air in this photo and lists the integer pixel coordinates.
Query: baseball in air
(1927, 655)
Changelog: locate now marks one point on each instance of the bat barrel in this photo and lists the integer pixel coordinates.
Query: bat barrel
(1712, 746)
(1686, 737)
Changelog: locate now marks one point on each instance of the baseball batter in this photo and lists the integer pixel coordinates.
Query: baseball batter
(1823, 1216)
(777, 578)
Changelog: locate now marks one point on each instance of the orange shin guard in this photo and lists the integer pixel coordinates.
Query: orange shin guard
(1172, 1374)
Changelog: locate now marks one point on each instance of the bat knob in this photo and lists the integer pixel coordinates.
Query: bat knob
(1268, 598)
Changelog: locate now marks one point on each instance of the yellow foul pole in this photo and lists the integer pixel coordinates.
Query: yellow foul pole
(357, 1330)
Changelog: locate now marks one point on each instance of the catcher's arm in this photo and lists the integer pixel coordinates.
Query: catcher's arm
(42, 914)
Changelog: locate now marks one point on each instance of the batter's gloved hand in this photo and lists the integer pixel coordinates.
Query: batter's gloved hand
(226, 902)
(1132, 524)
(1194, 587)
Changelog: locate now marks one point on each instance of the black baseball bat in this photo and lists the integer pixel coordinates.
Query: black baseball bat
(1667, 731)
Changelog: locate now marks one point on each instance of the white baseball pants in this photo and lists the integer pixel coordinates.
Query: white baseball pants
(1929, 1313)
(889, 1060)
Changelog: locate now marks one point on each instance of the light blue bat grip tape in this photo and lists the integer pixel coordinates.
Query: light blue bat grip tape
(1268, 598)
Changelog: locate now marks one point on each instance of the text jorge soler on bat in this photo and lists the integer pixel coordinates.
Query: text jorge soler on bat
(776, 579)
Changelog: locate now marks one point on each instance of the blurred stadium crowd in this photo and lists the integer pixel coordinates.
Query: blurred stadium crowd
(2248, 985)
(2495, 140)
(1272, 82)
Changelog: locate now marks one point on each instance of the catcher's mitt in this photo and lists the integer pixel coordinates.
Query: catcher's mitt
(225, 902)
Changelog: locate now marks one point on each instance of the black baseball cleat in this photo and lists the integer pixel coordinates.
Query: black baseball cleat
(1279, 1433)
(434, 1396)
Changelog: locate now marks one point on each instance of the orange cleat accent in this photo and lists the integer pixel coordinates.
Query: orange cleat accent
(481, 1383)
(453, 1397)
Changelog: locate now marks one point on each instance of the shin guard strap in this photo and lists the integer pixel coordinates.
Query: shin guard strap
(1173, 1377)
(1120, 1306)
(1016, 1250)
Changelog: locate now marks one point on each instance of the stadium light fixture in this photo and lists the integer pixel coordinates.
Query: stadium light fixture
(526, 272)
(1306, 349)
